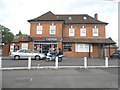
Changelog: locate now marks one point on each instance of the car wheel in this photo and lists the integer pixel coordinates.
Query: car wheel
(37, 57)
(16, 57)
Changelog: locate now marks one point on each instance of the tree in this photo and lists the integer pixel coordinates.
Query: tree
(19, 35)
(5, 35)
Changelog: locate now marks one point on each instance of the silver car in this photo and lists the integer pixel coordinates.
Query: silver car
(25, 53)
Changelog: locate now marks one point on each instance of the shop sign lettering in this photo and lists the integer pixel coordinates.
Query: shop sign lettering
(39, 39)
(53, 39)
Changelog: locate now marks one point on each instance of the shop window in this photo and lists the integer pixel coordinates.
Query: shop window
(67, 47)
(39, 29)
(52, 29)
(95, 31)
(83, 48)
(83, 31)
(71, 31)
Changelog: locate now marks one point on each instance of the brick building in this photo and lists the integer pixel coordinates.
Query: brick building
(78, 35)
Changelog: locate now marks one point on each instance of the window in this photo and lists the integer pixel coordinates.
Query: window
(85, 18)
(95, 31)
(67, 47)
(83, 31)
(22, 51)
(52, 29)
(71, 31)
(24, 45)
(82, 48)
(70, 18)
(39, 29)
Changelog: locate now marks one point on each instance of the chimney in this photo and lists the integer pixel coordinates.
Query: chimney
(96, 16)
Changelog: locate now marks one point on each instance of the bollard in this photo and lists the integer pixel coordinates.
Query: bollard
(106, 62)
(0, 62)
(29, 62)
(85, 62)
(56, 62)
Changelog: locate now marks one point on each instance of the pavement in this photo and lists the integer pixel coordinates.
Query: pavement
(61, 78)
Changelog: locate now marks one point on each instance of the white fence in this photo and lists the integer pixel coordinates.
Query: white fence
(57, 66)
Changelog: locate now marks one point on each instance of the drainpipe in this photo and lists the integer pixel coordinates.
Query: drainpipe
(89, 49)
(103, 50)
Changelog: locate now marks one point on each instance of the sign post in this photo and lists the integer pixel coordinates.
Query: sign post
(106, 62)
(56, 62)
(29, 62)
(85, 62)
(0, 62)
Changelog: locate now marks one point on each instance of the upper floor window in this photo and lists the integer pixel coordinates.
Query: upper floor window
(83, 31)
(95, 31)
(52, 29)
(71, 31)
(39, 29)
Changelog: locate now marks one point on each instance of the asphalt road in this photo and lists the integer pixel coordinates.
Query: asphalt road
(7, 62)
(61, 78)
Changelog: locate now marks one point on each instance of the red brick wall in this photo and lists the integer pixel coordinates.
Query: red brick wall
(46, 29)
(112, 50)
(101, 29)
(60, 45)
(84, 54)
(31, 45)
(6, 50)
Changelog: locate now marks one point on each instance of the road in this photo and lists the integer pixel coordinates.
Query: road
(61, 78)
(7, 62)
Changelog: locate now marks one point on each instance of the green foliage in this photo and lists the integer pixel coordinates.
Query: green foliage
(6, 35)
(19, 35)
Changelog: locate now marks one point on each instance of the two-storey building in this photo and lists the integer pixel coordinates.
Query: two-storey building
(78, 35)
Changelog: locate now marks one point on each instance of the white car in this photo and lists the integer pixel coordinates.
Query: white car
(25, 53)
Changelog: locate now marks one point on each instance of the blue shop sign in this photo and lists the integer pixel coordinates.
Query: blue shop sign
(54, 39)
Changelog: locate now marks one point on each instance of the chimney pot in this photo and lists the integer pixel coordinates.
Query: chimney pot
(96, 16)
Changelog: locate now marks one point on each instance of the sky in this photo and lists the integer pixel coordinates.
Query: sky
(15, 13)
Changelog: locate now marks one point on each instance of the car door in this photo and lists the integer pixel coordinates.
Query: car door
(29, 54)
(21, 53)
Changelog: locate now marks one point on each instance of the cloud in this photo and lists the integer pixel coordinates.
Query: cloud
(15, 13)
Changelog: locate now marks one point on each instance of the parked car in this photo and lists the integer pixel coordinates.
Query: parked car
(116, 55)
(25, 53)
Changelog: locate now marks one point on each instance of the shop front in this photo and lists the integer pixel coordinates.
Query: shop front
(43, 44)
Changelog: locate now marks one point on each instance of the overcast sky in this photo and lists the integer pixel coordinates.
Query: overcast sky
(15, 13)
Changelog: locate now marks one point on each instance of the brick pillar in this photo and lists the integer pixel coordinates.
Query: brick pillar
(31, 45)
(60, 45)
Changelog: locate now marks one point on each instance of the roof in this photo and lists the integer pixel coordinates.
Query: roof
(89, 40)
(68, 18)
(22, 39)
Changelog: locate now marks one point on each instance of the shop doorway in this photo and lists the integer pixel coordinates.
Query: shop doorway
(43, 47)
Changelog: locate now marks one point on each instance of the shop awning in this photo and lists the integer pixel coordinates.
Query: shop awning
(90, 40)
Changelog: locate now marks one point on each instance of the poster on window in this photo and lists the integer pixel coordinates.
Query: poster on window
(38, 47)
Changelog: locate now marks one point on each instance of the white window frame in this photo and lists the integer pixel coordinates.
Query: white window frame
(82, 31)
(52, 29)
(24, 46)
(71, 31)
(39, 29)
(83, 48)
(95, 31)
